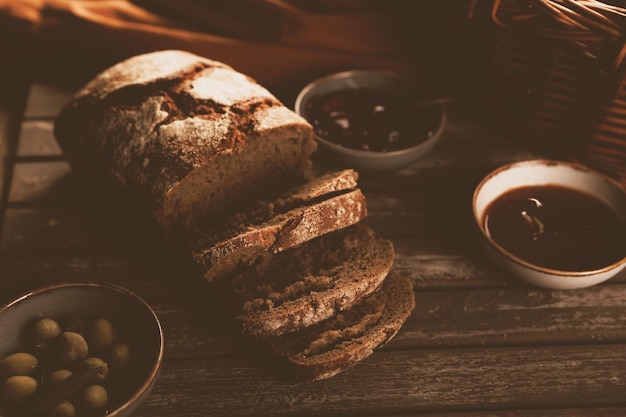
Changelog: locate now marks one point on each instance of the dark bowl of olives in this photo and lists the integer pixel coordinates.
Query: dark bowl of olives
(78, 349)
(371, 120)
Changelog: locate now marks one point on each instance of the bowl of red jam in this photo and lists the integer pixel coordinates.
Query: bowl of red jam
(367, 119)
(555, 224)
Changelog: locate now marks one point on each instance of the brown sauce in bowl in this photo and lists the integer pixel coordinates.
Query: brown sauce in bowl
(371, 120)
(562, 245)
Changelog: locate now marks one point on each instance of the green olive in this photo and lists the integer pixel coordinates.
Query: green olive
(62, 409)
(18, 390)
(58, 376)
(95, 362)
(70, 349)
(44, 330)
(120, 357)
(100, 334)
(20, 363)
(92, 398)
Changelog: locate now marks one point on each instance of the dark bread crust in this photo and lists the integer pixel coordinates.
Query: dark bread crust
(215, 230)
(189, 134)
(308, 283)
(332, 346)
(133, 90)
(284, 231)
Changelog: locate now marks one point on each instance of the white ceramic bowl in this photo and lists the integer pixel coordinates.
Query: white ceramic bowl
(135, 319)
(367, 160)
(541, 173)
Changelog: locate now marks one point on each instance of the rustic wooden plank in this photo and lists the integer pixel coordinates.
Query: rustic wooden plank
(54, 210)
(404, 382)
(549, 412)
(37, 140)
(451, 319)
(525, 315)
(19, 274)
(194, 324)
(442, 262)
(45, 101)
(520, 316)
(433, 262)
(14, 80)
(41, 183)
(53, 229)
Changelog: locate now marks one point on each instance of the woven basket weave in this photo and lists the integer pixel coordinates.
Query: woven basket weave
(570, 53)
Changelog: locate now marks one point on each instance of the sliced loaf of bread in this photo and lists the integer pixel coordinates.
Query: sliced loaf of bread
(309, 283)
(321, 205)
(340, 342)
(225, 170)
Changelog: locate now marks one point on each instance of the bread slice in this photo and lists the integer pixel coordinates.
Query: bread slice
(332, 346)
(321, 205)
(308, 283)
(191, 136)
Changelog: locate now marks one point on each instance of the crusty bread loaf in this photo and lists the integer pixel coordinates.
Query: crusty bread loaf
(319, 206)
(225, 170)
(334, 345)
(308, 283)
(190, 134)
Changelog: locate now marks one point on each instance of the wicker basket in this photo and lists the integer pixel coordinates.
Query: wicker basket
(570, 53)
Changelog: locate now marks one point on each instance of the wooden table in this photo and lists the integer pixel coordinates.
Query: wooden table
(479, 343)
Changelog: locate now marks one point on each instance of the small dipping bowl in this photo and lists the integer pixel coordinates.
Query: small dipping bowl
(342, 106)
(555, 177)
(135, 323)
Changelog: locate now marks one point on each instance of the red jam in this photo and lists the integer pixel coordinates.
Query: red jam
(371, 120)
(568, 241)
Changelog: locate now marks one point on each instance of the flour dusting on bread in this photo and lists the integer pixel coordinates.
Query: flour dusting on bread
(224, 169)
